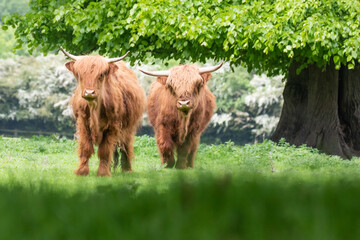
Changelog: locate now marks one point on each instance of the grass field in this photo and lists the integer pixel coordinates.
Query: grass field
(262, 191)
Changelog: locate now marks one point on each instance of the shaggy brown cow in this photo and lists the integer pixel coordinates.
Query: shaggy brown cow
(180, 106)
(108, 104)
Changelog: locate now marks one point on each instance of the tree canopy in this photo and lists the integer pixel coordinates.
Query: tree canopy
(265, 35)
(11, 6)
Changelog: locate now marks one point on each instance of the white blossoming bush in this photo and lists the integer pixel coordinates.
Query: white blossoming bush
(267, 92)
(266, 99)
(249, 105)
(36, 88)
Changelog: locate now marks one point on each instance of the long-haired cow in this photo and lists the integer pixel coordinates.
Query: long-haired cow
(108, 104)
(180, 105)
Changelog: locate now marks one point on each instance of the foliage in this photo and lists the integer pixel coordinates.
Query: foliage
(7, 39)
(35, 88)
(264, 35)
(7, 42)
(264, 104)
(13, 6)
(248, 105)
(230, 86)
(233, 193)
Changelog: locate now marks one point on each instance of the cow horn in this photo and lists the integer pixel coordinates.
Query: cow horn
(210, 69)
(156, 73)
(110, 60)
(73, 57)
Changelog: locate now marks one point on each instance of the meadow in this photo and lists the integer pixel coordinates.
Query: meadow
(258, 191)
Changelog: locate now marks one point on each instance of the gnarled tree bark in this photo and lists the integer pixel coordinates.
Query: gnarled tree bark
(322, 110)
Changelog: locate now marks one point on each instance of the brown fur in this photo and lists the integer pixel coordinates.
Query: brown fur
(110, 120)
(173, 128)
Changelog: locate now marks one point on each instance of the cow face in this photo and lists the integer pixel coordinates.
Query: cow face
(91, 73)
(185, 84)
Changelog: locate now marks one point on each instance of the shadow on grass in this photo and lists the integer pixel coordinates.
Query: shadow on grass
(207, 207)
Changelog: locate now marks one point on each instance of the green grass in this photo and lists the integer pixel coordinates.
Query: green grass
(261, 191)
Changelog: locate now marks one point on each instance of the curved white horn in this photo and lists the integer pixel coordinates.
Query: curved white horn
(73, 57)
(156, 73)
(210, 69)
(110, 60)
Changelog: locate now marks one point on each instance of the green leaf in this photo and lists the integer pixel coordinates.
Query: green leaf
(110, 14)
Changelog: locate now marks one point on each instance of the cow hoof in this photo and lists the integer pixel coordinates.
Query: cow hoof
(102, 172)
(126, 170)
(82, 171)
(178, 166)
(169, 165)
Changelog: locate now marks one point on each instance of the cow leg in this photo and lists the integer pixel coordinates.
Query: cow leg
(182, 154)
(105, 151)
(166, 147)
(125, 161)
(85, 150)
(194, 143)
(127, 153)
(115, 159)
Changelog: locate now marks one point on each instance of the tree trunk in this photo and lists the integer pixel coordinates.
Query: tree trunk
(322, 110)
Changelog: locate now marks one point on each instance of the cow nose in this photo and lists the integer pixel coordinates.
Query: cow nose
(89, 95)
(184, 103)
(89, 92)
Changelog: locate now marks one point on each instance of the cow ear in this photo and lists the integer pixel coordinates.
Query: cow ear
(70, 65)
(113, 68)
(162, 80)
(206, 77)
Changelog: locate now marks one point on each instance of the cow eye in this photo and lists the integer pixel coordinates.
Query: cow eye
(171, 90)
(197, 88)
(101, 77)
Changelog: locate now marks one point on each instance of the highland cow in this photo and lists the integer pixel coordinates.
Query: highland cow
(180, 106)
(108, 104)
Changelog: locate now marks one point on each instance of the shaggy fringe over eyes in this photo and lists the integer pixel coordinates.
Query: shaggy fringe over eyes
(90, 67)
(184, 78)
